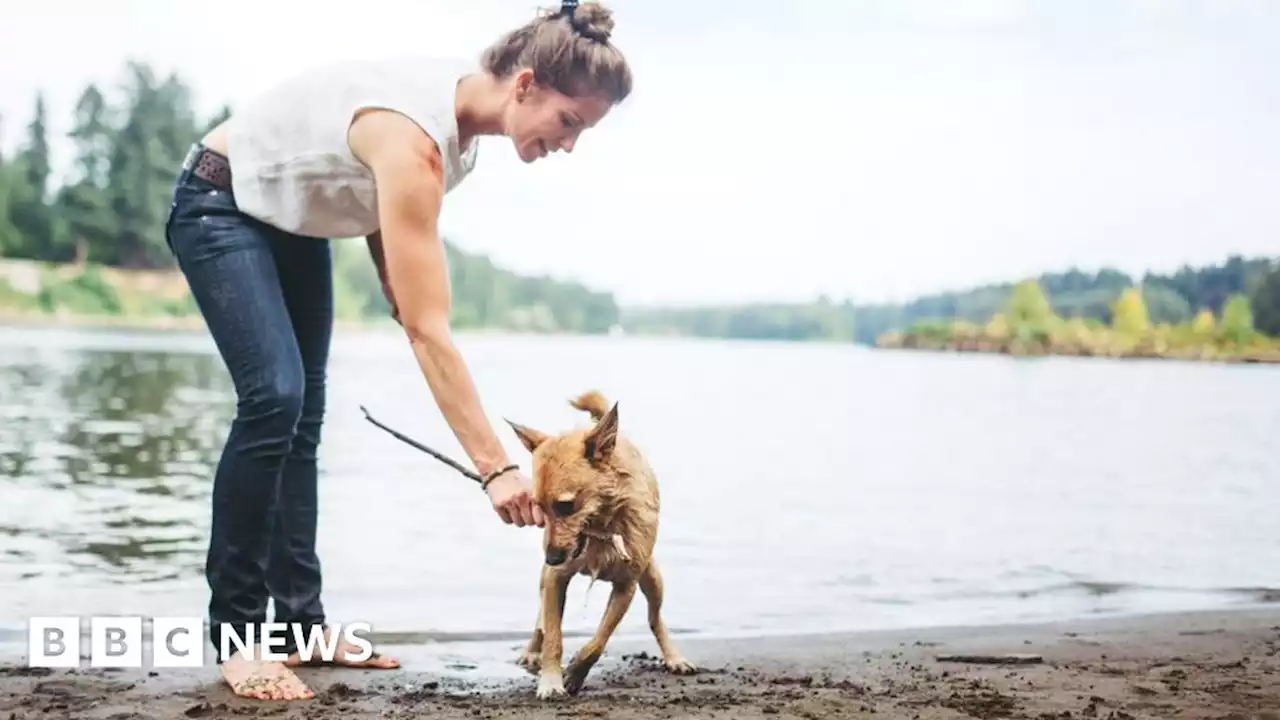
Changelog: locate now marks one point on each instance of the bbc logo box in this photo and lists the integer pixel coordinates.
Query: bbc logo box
(115, 642)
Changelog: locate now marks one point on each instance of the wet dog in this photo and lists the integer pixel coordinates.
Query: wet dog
(601, 502)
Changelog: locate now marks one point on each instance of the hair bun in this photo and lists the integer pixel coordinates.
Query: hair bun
(593, 20)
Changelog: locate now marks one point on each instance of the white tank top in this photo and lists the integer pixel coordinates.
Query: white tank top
(291, 166)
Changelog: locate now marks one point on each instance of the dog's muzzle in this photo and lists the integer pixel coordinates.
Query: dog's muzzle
(559, 556)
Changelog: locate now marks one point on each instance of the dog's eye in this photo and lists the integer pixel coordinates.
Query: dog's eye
(562, 508)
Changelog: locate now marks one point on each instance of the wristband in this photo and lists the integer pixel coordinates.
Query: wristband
(484, 484)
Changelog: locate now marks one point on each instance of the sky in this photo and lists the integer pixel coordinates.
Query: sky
(863, 149)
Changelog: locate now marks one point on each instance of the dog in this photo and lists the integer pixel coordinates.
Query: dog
(600, 499)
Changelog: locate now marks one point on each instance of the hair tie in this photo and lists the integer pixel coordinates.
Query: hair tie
(567, 7)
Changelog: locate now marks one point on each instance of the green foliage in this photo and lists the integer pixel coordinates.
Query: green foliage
(1028, 313)
(1129, 316)
(1028, 305)
(1171, 299)
(12, 299)
(934, 329)
(126, 155)
(1203, 325)
(1165, 305)
(1265, 303)
(1132, 334)
(86, 293)
(484, 295)
(1237, 320)
(1211, 286)
(820, 320)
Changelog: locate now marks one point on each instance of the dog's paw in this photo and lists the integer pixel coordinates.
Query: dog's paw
(679, 666)
(551, 687)
(575, 678)
(578, 670)
(530, 661)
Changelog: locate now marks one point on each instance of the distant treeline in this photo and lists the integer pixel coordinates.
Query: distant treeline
(1170, 299)
(110, 213)
(1028, 325)
(820, 320)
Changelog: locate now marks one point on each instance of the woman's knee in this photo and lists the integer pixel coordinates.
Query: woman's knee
(273, 407)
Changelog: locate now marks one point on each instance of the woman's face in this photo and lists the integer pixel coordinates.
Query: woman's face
(542, 120)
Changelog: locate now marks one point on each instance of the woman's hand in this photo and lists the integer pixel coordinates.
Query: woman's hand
(512, 497)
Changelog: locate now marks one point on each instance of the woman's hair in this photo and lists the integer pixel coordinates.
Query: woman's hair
(568, 49)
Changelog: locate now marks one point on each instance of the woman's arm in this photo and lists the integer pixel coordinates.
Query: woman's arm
(409, 173)
(374, 241)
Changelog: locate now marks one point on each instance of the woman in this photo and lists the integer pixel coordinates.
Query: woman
(355, 149)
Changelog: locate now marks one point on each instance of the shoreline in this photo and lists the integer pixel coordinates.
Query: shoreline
(1199, 664)
(1205, 357)
(1206, 354)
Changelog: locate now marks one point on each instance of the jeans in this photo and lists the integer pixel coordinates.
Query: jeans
(267, 298)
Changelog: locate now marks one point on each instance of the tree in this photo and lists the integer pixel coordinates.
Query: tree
(1029, 314)
(1129, 314)
(148, 148)
(1164, 304)
(997, 328)
(30, 215)
(9, 239)
(1204, 324)
(1237, 319)
(1265, 304)
(84, 204)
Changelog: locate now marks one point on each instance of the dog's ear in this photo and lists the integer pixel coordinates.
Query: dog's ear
(528, 436)
(604, 436)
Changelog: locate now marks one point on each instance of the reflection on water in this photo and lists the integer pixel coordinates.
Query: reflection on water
(129, 440)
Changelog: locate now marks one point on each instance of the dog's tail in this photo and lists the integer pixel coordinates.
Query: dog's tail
(592, 402)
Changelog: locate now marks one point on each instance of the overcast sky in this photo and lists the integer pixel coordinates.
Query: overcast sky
(774, 151)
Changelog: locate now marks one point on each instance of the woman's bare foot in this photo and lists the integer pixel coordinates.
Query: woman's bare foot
(343, 656)
(263, 679)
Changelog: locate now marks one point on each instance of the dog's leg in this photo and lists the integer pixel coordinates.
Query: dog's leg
(586, 658)
(531, 658)
(554, 589)
(652, 587)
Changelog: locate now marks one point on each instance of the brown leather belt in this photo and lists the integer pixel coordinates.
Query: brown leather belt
(210, 166)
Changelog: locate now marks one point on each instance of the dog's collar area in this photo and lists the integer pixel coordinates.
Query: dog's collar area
(613, 540)
(579, 547)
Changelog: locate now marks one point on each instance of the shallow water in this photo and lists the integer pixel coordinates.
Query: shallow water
(805, 487)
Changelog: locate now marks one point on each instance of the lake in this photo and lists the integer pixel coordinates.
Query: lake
(805, 486)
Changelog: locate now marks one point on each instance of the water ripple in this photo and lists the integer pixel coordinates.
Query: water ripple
(107, 457)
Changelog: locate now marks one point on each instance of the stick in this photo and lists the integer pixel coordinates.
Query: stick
(415, 444)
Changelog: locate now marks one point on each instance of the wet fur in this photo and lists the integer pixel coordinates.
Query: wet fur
(615, 493)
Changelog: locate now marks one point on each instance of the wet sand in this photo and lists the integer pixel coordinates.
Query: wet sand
(1219, 665)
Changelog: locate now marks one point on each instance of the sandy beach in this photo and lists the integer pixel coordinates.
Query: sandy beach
(1216, 665)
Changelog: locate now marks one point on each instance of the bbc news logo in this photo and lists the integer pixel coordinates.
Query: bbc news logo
(178, 642)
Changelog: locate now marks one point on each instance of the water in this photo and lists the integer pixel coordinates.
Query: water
(805, 487)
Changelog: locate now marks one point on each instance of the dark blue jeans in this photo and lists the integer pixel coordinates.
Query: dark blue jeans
(267, 299)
